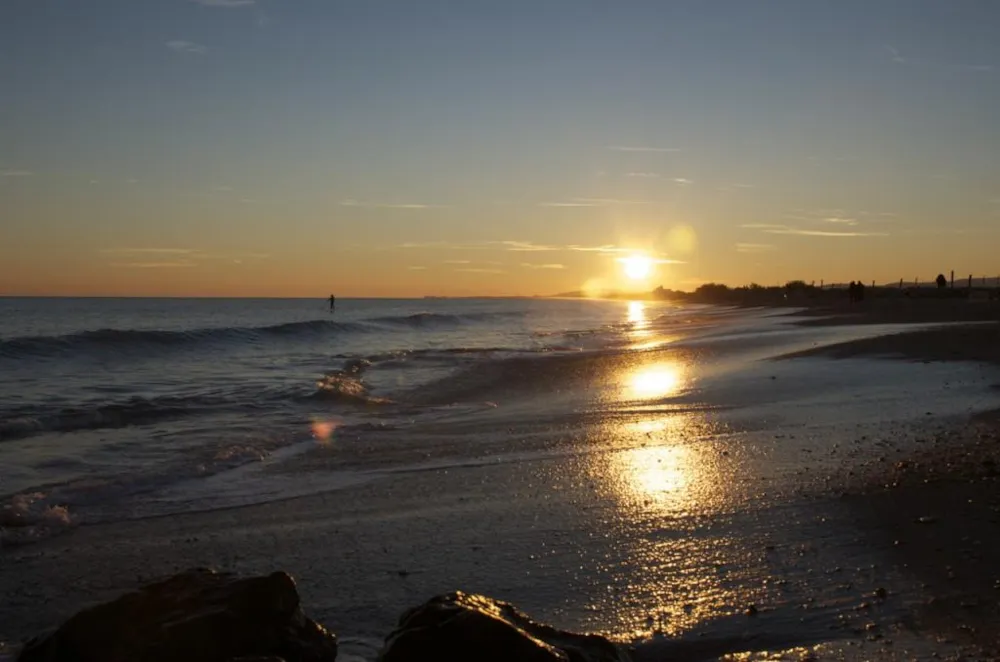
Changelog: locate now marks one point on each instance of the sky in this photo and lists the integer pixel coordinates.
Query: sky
(402, 148)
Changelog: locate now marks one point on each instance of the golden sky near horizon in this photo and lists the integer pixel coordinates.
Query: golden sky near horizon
(217, 148)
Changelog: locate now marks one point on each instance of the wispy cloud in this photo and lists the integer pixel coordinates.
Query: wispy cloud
(771, 228)
(525, 246)
(593, 202)
(844, 217)
(15, 173)
(518, 246)
(613, 201)
(228, 4)
(754, 248)
(147, 257)
(150, 251)
(528, 265)
(683, 181)
(643, 175)
(894, 55)
(458, 261)
(179, 264)
(567, 204)
(478, 270)
(417, 268)
(186, 47)
(898, 58)
(642, 148)
(388, 205)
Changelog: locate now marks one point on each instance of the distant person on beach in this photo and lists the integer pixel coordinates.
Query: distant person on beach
(333, 302)
(859, 291)
(852, 292)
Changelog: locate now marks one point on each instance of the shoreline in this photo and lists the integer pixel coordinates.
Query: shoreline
(324, 541)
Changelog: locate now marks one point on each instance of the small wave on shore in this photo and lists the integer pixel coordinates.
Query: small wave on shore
(30, 517)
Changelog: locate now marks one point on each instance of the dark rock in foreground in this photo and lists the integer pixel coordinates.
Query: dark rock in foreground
(196, 616)
(459, 627)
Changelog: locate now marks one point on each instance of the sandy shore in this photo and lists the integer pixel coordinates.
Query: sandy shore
(939, 509)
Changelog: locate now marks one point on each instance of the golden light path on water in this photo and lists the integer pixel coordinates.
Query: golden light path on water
(665, 481)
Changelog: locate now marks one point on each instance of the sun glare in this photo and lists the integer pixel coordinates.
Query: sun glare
(637, 267)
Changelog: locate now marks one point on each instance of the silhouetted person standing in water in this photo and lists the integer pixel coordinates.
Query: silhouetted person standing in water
(333, 302)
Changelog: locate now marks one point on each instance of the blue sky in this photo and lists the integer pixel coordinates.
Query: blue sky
(240, 147)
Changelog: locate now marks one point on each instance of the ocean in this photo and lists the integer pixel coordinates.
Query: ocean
(612, 446)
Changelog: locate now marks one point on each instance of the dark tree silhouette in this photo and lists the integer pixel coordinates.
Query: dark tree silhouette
(941, 281)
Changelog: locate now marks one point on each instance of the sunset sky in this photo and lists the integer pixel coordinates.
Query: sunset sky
(404, 148)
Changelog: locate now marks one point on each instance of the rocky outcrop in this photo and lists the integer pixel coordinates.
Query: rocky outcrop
(196, 616)
(459, 627)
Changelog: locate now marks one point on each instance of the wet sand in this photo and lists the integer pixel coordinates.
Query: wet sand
(939, 509)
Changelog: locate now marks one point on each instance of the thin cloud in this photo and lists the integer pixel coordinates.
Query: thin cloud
(625, 260)
(150, 251)
(385, 205)
(642, 148)
(417, 268)
(754, 248)
(894, 55)
(683, 181)
(458, 261)
(186, 47)
(180, 264)
(606, 248)
(476, 270)
(15, 173)
(593, 202)
(518, 246)
(613, 201)
(528, 265)
(526, 246)
(840, 221)
(643, 175)
(770, 228)
(227, 4)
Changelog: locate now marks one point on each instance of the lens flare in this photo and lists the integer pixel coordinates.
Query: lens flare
(323, 429)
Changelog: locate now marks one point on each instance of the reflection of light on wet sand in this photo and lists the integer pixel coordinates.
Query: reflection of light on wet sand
(654, 381)
(658, 471)
(662, 483)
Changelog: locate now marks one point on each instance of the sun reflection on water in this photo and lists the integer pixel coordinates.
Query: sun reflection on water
(637, 315)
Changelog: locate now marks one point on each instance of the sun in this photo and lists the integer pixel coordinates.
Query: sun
(637, 267)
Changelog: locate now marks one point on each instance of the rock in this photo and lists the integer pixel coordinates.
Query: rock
(458, 627)
(195, 616)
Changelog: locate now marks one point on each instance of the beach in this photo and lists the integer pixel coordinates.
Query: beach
(729, 484)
